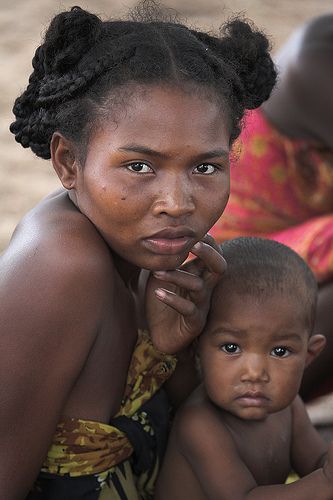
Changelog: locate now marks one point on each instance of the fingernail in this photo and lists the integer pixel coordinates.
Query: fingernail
(160, 293)
(159, 274)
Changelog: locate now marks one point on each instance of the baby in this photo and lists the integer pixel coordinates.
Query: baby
(245, 428)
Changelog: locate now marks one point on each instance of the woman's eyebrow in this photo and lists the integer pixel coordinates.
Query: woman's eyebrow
(138, 148)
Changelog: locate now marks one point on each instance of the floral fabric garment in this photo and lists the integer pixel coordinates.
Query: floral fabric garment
(92, 460)
(281, 189)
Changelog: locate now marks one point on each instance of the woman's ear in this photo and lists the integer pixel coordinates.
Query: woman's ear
(316, 344)
(64, 160)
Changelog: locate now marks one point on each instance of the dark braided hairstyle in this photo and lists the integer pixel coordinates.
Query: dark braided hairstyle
(83, 60)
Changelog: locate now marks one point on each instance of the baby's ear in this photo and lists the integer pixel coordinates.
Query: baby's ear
(316, 344)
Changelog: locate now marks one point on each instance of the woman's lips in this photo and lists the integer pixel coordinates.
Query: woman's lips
(171, 241)
(169, 246)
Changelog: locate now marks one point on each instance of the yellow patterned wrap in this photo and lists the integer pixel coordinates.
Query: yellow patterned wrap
(82, 447)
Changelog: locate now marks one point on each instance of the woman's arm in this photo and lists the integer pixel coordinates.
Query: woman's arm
(184, 379)
(47, 327)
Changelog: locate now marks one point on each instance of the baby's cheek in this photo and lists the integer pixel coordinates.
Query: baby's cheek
(216, 384)
(288, 382)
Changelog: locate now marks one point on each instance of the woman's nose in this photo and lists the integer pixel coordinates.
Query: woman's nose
(175, 197)
(254, 369)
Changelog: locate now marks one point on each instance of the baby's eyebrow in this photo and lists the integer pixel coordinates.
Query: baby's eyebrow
(278, 337)
(230, 331)
(287, 336)
(138, 148)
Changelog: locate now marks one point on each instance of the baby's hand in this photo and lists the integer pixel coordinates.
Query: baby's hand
(177, 313)
(328, 465)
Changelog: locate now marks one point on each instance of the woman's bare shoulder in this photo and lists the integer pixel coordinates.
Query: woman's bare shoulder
(57, 271)
(53, 295)
(57, 234)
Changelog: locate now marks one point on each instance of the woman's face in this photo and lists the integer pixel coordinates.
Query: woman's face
(156, 178)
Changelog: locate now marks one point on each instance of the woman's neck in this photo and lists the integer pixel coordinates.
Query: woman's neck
(128, 272)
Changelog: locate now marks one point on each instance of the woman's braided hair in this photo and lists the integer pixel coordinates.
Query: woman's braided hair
(83, 59)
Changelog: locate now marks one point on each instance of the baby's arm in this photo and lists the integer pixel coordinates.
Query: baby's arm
(309, 450)
(209, 449)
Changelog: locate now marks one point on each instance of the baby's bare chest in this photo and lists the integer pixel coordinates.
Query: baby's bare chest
(265, 447)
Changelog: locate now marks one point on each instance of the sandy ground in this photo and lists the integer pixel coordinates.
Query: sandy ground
(24, 179)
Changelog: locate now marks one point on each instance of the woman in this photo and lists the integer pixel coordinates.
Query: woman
(138, 118)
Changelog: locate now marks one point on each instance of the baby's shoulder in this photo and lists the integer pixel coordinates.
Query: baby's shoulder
(199, 419)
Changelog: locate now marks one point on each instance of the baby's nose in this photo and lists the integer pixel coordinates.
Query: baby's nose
(254, 369)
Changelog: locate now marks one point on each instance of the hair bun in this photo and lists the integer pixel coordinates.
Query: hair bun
(69, 37)
(246, 50)
(249, 49)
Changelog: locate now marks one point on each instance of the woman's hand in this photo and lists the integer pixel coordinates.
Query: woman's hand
(177, 302)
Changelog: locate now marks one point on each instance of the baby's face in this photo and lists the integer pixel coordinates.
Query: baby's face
(253, 353)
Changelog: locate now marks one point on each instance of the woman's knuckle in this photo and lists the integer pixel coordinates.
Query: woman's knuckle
(198, 285)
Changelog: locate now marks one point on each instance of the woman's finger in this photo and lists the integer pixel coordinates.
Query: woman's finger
(211, 258)
(180, 278)
(212, 242)
(180, 304)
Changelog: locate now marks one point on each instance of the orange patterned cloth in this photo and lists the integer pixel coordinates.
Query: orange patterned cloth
(282, 189)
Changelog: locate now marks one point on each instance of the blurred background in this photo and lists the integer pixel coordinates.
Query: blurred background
(24, 178)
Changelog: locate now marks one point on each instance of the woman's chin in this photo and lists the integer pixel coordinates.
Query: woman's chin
(167, 262)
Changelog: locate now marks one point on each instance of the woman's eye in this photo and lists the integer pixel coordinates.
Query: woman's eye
(230, 348)
(280, 352)
(140, 168)
(205, 168)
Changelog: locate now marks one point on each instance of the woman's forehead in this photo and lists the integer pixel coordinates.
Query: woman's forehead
(154, 115)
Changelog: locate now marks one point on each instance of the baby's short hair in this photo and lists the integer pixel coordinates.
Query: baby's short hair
(260, 267)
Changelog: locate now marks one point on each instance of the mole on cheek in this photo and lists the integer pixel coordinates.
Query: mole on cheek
(123, 199)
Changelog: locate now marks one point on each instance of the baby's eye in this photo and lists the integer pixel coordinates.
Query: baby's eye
(140, 168)
(230, 348)
(205, 168)
(280, 352)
